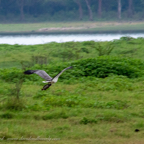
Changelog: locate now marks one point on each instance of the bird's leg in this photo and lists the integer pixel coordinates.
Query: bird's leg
(47, 86)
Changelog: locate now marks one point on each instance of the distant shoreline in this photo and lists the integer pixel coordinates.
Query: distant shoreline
(72, 32)
(71, 28)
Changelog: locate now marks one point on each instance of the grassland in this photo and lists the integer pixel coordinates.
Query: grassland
(71, 27)
(14, 55)
(74, 110)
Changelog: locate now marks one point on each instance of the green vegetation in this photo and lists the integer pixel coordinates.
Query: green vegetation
(61, 27)
(100, 100)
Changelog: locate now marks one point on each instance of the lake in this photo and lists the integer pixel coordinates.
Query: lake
(42, 39)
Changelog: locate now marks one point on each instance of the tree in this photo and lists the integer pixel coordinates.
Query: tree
(119, 9)
(130, 11)
(99, 8)
(89, 9)
(21, 6)
(80, 9)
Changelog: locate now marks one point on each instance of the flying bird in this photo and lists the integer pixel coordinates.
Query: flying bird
(45, 76)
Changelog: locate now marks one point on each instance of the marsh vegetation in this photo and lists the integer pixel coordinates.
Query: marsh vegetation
(99, 101)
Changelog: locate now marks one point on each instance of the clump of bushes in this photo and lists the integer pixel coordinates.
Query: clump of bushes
(100, 67)
(104, 66)
(14, 104)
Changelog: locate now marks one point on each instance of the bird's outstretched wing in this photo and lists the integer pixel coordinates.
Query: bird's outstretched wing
(41, 73)
(55, 79)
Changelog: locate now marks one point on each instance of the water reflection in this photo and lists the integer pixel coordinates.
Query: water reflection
(41, 39)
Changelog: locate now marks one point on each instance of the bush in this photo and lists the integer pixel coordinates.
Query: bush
(104, 50)
(100, 67)
(104, 66)
(12, 74)
(87, 120)
(7, 115)
(14, 104)
(126, 38)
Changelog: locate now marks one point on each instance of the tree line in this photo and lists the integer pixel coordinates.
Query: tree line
(53, 10)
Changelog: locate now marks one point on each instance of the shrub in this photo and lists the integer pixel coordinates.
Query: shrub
(7, 115)
(126, 38)
(103, 66)
(100, 67)
(104, 50)
(14, 104)
(87, 120)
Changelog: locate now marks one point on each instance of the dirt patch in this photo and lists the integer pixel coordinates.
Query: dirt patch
(64, 28)
(86, 25)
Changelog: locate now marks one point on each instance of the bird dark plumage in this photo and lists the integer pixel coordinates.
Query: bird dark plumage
(29, 71)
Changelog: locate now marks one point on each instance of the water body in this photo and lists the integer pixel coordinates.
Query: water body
(42, 39)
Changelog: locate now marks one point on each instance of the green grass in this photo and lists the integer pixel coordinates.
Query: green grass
(14, 55)
(77, 123)
(83, 27)
(76, 110)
